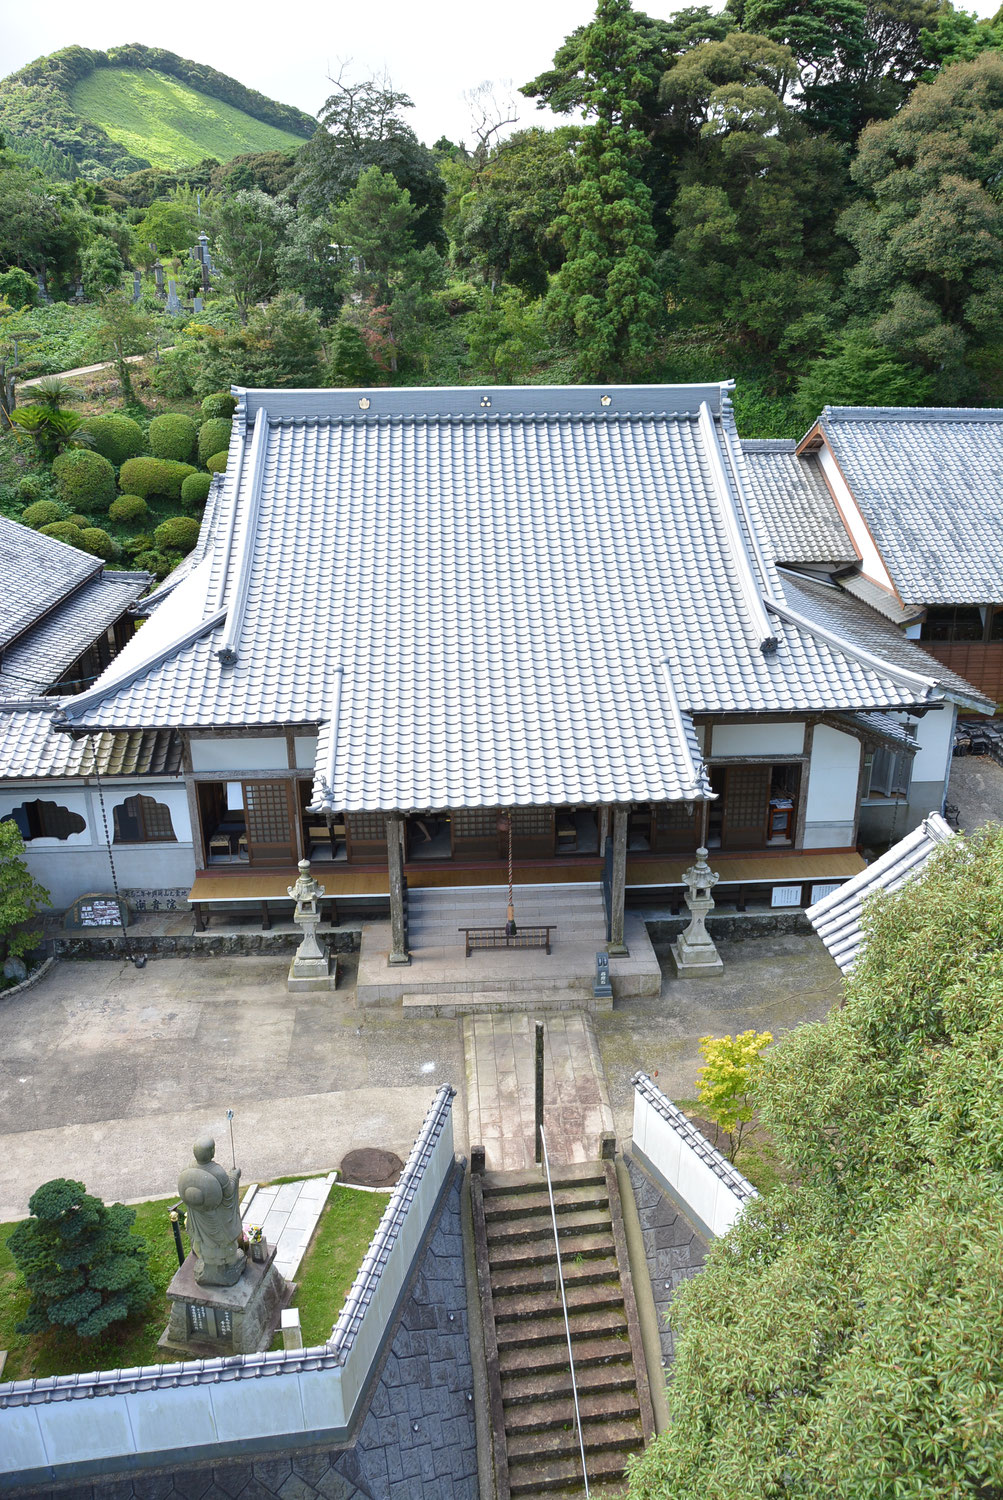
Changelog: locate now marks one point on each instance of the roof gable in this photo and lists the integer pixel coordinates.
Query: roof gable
(36, 573)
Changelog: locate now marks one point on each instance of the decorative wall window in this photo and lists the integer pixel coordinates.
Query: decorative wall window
(45, 820)
(368, 825)
(142, 820)
(532, 821)
(475, 822)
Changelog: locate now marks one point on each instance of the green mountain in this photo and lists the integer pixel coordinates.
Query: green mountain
(103, 114)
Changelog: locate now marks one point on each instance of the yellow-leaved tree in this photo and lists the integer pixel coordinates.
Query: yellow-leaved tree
(726, 1081)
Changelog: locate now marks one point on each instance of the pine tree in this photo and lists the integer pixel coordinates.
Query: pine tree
(81, 1263)
(605, 297)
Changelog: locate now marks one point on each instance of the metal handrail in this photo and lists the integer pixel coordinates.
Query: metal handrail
(564, 1304)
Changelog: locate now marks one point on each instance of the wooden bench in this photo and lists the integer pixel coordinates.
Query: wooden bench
(497, 937)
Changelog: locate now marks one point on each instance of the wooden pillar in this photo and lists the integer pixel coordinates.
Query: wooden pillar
(621, 821)
(395, 862)
(603, 829)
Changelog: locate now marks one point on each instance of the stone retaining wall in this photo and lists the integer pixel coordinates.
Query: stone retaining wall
(103, 945)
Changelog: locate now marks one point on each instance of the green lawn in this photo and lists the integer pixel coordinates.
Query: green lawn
(172, 125)
(328, 1270)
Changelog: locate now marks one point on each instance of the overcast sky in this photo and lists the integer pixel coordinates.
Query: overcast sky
(432, 49)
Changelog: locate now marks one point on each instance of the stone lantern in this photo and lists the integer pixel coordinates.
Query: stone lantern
(312, 967)
(693, 952)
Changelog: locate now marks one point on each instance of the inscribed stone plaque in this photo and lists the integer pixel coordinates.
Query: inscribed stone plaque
(198, 1321)
(97, 910)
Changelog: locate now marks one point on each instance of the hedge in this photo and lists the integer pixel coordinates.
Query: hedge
(129, 508)
(116, 437)
(219, 404)
(177, 534)
(173, 436)
(154, 476)
(44, 512)
(214, 436)
(195, 490)
(217, 464)
(85, 480)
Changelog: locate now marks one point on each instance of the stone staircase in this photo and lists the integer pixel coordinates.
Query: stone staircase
(435, 915)
(535, 1436)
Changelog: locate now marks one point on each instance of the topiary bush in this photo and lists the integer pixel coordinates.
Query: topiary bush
(177, 534)
(43, 513)
(195, 490)
(154, 476)
(214, 436)
(217, 464)
(64, 531)
(30, 489)
(85, 480)
(78, 520)
(152, 561)
(98, 542)
(173, 436)
(83, 1266)
(142, 542)
(128, 508)
(116, 437)
(219, 404)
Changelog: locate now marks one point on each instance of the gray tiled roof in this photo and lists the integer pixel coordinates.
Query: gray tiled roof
(30, 747)
(854, 621)
(498, 597)
(928, 482)
(36, 572)
(797, 511)
(837, 917)
(40, 656)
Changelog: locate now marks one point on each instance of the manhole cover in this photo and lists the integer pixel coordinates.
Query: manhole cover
(371, 1168)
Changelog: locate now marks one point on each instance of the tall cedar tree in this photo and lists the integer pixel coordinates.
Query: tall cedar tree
(604, 297)
(82, 1265)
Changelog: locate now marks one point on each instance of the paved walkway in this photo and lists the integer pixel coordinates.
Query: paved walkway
(287, 1214)
(499, 1053)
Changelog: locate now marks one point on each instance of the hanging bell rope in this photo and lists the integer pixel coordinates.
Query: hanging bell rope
(505, 826)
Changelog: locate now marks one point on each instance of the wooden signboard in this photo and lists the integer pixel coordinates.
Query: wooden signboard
(96, 910)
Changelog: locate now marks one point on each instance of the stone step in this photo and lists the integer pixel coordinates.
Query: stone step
(542, 1385)
(580, 1245)
(588, 1324)
(567, 1199)
(599, 1351)
(617, 1403)
(598, 1437)
(510, 1307)
(530, 1179)
(537, 1276)
(563, 1476)
(592, 1220)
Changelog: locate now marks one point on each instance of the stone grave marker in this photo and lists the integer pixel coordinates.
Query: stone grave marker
(96, 910)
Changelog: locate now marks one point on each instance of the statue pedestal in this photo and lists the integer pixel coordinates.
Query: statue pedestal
(208, 1321)
(693, 959)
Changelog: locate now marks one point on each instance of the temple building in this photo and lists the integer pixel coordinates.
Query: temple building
(421, 621)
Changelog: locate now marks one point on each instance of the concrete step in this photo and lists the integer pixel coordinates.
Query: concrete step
(570, 1199)
(537, 1277)
(598, 1437)
(592, 1220)
(519, 1389)
(558, 1477)
(547, 1413)
(530, 1179)
(510, 1307)
(599, 1351)
(519, 1254)
(589, 1324)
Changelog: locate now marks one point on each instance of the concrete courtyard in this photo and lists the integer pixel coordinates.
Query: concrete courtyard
(108, 1073)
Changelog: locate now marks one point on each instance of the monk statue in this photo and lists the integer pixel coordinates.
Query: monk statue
(210, 1195)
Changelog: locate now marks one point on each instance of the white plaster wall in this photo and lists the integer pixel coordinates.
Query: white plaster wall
(306, 751)
(833, 778)
(757, 739)
(935, 733)
(709, 1197)
(872, 565)
(76, 801)
(250, 753)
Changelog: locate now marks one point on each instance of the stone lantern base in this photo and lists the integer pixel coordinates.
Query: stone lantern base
(693, 959)
(209, 1321)
(310, 974)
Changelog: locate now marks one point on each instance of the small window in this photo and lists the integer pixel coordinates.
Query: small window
(887, 774)
(45, 820)
(142, 820)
